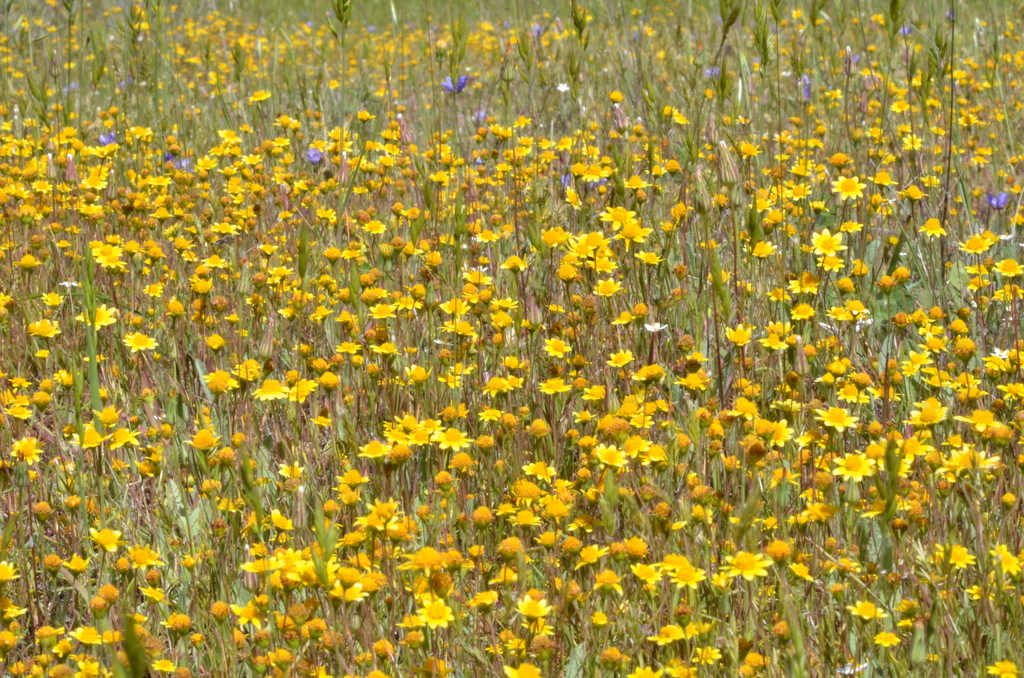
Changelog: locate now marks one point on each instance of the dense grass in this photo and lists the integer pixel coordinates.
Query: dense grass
(510, 338)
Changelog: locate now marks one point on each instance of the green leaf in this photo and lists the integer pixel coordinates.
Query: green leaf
(574, 668)
(202, 372)
(138, 662)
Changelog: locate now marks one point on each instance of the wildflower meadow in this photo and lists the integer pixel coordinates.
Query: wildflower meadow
(524, 339)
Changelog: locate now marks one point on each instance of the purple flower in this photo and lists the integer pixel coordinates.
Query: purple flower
(481, 116)
(906, 30)
(314, 155)
(537, 30)
(107, 138)
(182, 164)
(457, 86)
(712, 72)
(998, 202)
(805, 84)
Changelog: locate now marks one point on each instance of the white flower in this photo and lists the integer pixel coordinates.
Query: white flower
(563, 87)
(654, 327)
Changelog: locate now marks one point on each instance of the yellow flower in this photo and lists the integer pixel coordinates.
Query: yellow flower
(280, 521)
(928, 413)
(484, 601)
(882, 177)
(1003, 669)
(86, 635)
(837, 418)
(848, 187)
(978, 243)
(982, 420)
(27, 450)
(645, 573)
(451, 439)
(607, 581)
(141, 556)
(1009, 563)
(932, 228)
(827, 243)
(204, 440)
(748, 565)
(533, 609)
(554, 385)
(607, 288)
(436, 614)
(290, 471)
(573, 198)
(1009, 268)
(106, 539)
(668, 634)
(374, 450)
(301, 390)
(801, 570)
(620, 358)
(645, 672)
(556, 348)
(8, 572)
(258, 96)
(247, 615)
(740, 336)
(103, 317)
(854, 467)
(44, 328)
(589, 555)
(866, 610)
(684, 574)
(706, 655)
(610, 456)
(649, 373)
(912, 192)
(957, 556)
(77, 564)
(887, 639)
(522, 671)
(220, 382)
(749, 150)
(271, 389)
